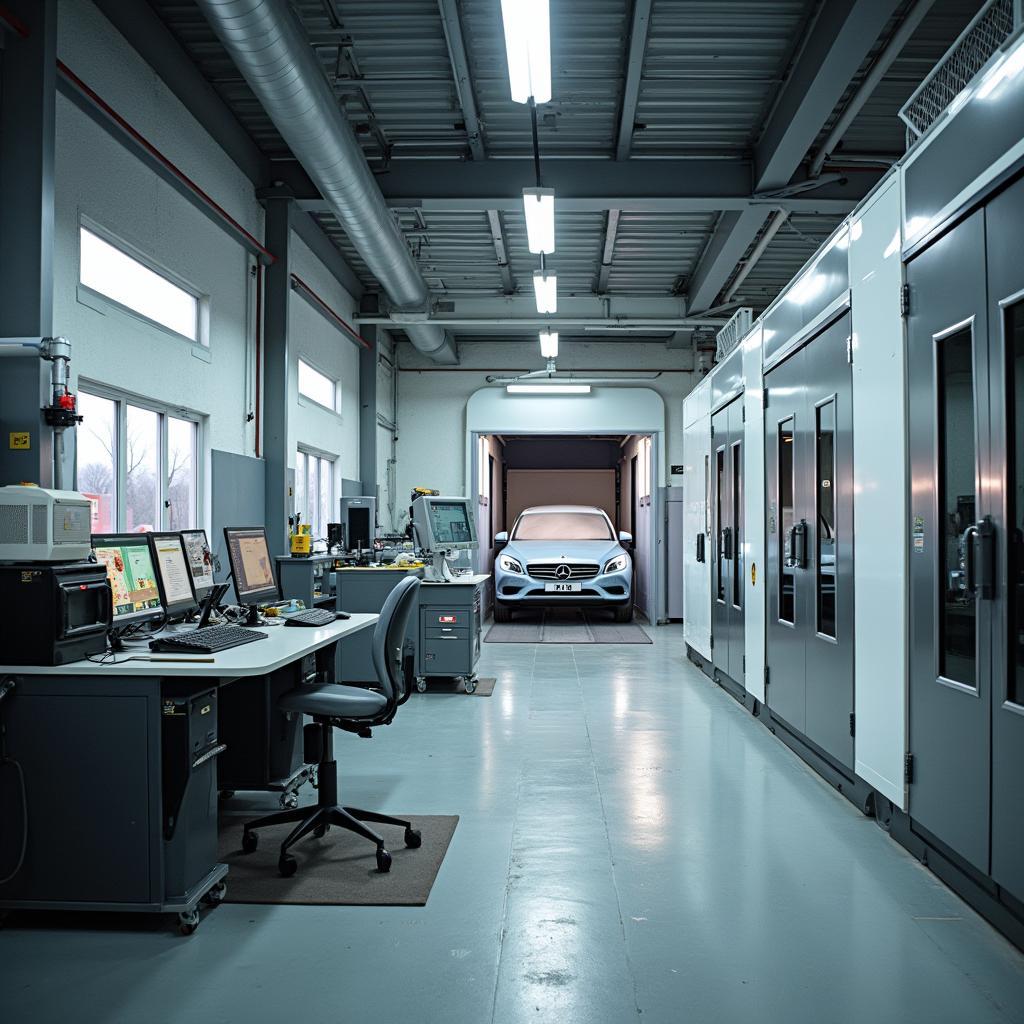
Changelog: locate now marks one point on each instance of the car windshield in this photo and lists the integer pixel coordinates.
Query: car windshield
(563, 526)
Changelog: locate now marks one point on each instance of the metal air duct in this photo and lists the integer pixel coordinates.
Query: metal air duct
(270, 49)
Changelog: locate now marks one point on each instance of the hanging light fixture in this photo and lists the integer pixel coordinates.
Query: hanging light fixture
(545, 289)
(547, 389)
(528, 48)
(549, 344)
(539, 206)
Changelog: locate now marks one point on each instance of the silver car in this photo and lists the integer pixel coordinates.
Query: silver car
(563, 555)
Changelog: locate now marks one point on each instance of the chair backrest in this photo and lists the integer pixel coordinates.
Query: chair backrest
(389, 639)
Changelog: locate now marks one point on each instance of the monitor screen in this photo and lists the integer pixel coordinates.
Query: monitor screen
(251, 565)
(359, 531)
(173, 574)
(200, 560)
(131, 575)
(449, 522)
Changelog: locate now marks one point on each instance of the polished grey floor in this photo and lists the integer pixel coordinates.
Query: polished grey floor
(633, 847)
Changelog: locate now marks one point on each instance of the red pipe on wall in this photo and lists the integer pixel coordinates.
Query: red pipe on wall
(13, 22)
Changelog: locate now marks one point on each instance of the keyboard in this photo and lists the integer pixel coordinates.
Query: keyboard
(310, 617)
(207, 640)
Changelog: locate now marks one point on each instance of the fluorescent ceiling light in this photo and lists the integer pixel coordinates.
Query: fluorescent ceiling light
(545, 288)
(528, 48)
(548, 389)
(539, 206)
(549, 344)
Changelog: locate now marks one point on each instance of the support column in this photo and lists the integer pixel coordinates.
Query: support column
(27, 113)
(368, 411)
(277, 293)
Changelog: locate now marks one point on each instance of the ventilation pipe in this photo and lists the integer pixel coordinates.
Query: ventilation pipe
(270, 49)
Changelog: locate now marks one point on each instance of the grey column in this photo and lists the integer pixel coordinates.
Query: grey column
(368, 410)
(27, 111)
(277, 292)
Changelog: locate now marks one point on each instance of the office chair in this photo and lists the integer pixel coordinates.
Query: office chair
(352, 709)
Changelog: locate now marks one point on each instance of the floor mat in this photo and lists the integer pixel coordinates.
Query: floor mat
(338, 870)
(484, 687)
(567, 627)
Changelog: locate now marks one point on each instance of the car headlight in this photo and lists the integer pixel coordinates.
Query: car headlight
(510, 564)
(617, 564)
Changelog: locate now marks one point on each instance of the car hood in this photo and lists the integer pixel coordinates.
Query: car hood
(563, 550)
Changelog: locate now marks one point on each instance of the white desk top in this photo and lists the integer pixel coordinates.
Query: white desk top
(459, 581)
(282, 646)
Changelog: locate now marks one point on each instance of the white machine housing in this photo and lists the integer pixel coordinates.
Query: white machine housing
(42, 525)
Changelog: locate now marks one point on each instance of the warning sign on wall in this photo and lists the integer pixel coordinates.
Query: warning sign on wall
(20, 440)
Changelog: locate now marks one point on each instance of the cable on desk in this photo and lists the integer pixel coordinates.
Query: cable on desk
(6, 687)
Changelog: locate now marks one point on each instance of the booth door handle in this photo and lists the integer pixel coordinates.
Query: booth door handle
(700, 547)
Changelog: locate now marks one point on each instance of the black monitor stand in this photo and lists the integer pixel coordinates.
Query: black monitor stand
(252, 617)
(212, 601)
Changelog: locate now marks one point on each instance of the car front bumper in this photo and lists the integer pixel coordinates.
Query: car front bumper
(519, 591)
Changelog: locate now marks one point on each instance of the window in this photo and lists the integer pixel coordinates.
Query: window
(138, 464)
(719, 545)
(826, 497)
(563, 526)
(317, 386)
(314, 491)
(787, 524)
(112, 272)
(737, 524)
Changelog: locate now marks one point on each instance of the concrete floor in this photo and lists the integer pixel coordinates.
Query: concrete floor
(633, 847)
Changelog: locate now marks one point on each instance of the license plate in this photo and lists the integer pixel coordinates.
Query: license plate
(562, 588)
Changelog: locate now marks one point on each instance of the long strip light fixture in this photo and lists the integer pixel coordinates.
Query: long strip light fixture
(549, 344)
(545, 288)
(548, 389)
(539, 207)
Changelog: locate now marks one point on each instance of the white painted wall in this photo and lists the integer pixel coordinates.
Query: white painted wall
(97, 178)
(880, 510)
(432, 404)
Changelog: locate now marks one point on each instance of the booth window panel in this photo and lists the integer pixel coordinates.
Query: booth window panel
(825, 572)
(97, 459)
(1014, 333)
(957, 454)
(737, 523)
(110, 270)
(314, 491)
(787, 577)
(719, 547)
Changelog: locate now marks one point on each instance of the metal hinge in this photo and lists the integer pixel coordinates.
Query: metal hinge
(849, 349)
(905, 300)
(712, 431)
(764, 398)
(744, 663)
(712, 644)
(743, 414)
(908, 768)
(766, 676)
(853, 724)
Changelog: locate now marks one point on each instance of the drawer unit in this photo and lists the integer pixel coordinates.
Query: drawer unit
(449, 631)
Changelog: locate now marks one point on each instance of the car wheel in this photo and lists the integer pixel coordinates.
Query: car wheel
(502, 613)
(624, 612)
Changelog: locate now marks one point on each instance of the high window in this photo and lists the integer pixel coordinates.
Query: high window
(317, 386)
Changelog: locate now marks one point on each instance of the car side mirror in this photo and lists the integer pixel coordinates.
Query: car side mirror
(501, 537)
(625, 538)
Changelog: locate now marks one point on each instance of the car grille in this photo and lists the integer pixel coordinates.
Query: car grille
(549, 570)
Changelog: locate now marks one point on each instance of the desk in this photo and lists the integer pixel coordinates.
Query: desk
(109, 829)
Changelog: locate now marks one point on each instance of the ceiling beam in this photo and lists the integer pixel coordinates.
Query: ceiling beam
(634, 70)
(500, 251)
(452, 24)
(611, 228)
(153, 41)
(841, 37)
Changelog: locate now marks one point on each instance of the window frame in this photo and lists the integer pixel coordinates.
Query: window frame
(307, 452)
(123, 399)
(202, 338)
(304, 398)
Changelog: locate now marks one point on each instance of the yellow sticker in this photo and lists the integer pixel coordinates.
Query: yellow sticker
(753, 574)
(20, 440)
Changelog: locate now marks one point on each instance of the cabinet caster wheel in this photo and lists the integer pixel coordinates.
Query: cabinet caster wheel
(383, 861)
(216, 894)
(226, 794)
(320, 831)
(287, 866)
(471, 685)
(249, 842)
(188, 921)
(413, 838)
(421, 685)
(289, 800)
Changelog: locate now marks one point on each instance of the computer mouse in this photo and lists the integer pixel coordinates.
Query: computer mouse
(342, 615)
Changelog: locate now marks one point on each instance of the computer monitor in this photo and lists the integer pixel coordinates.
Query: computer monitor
(444, 523)
(358, 521)
(251, 565)
(173, 575)
(136, 595)
(200, 561)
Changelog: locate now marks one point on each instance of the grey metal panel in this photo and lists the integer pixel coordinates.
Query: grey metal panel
(982, 131)
(721, 500)
(368, 468)
(675, 549)
(776, 346)
(238, 484)
(949, 725)
(737, 564)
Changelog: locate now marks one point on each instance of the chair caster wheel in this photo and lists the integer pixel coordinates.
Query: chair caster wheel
(320, 831)
(421, 685)
(188, 921)
(216, 894)
(287, 866)
(289, 800)
(413, 838)
(249, 842)
(383, 861)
